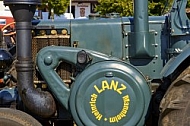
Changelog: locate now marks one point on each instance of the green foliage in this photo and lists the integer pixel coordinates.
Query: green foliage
(155, 8)
(159, 7)
(59, 6)
(125, 7)
(188, 3)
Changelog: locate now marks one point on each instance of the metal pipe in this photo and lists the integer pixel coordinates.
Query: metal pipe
(141, 39)
(38, 102)
(141, 16)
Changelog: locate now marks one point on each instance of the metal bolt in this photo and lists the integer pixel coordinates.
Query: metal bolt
(48, 60)
(109, 74)
(156, 33)
(172, 30)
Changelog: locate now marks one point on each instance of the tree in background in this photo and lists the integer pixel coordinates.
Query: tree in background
(57, 6)
(125, 7)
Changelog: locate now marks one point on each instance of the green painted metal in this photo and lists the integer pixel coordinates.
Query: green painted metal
(110, 93)
(94, 35)
(125, 56)
(174, 62)
(50, 57)
(141, 41)
(123, 50)
(141, 16)
(142, 44)
(180, 22)
(122, 91)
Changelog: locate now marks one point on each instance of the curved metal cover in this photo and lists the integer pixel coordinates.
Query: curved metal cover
(174, 62)
(110, 93)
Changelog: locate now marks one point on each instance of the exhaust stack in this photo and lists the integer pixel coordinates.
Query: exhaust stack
(39, 102)
(141, 40)
(141, 16)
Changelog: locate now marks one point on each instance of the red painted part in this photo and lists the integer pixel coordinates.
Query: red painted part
(1, 81)
(7, 21)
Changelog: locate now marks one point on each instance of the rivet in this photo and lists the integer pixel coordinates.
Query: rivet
(48, 60)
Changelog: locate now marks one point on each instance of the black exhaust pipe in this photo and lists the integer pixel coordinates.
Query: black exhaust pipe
(39, 102)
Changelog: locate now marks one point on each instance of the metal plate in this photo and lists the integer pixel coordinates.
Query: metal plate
(110, 93)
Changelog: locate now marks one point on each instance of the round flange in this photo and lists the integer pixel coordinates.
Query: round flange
(109, 93)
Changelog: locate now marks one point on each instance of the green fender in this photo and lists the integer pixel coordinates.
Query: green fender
(174, 62)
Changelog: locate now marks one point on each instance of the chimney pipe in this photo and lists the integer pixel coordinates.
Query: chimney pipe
(141, 16)
(141, 39)
(39, 102)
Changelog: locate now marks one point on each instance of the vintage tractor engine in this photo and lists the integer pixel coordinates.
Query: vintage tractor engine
(121, 71)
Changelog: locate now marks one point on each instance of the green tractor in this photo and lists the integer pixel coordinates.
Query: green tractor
(117, 71)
